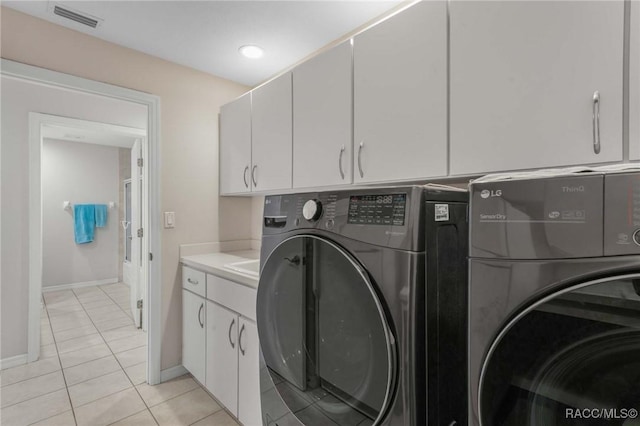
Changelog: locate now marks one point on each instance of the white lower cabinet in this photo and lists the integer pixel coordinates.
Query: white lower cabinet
(249, 412)
(193, 334)
(220, 343)
(222, 355)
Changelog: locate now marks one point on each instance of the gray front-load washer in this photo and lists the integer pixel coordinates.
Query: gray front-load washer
(554, 320)
(361, 308)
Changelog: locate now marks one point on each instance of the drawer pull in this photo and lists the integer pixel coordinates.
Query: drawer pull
(194, 282)
(233, 321)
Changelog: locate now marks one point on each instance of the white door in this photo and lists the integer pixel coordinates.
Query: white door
(271, 135)
(400, 96)
(193, 334)
(524, 77)
(322, 124)
(136, 224)
(222, 355)
(249, 412)
(235, 146)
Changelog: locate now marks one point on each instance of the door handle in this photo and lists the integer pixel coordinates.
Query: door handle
(244, 176)
(199, 314)
(360, 158)
(340, 162)
(253, 175)
(596, 122)
(233, 321)
(240, 340)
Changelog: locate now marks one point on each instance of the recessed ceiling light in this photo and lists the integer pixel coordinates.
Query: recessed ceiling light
(251, 51)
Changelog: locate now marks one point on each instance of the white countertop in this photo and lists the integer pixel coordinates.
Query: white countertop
(213, 263)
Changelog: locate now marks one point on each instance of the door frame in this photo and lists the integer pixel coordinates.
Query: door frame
(152, 156)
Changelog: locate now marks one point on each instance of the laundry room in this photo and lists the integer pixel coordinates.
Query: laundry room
(310, 213)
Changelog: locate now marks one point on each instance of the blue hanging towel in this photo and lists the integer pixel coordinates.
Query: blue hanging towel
(101, 215)
(84, 222)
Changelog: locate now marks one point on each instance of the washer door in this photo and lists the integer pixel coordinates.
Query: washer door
(324, 334)
(571, 359)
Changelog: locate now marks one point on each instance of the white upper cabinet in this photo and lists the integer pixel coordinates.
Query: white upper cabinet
(235, 146)
(400, 96)
(634, 83)
(535, 84)
(322, 125)
(271, 125)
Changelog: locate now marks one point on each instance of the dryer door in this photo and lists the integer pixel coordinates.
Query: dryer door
(326, 342)
(570, 359)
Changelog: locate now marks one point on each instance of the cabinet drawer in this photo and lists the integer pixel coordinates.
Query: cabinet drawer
(194, 281)
(234, 296)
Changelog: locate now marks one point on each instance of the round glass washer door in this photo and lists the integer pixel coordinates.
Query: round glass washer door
(571, 359)
(324, 334)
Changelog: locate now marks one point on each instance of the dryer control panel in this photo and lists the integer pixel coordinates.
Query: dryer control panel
(621, 214)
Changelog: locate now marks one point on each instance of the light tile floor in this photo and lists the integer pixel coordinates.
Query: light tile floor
(92, 371)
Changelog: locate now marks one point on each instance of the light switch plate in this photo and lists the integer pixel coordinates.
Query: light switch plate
(169, 219)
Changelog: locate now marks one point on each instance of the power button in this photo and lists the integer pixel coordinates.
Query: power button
(636, 237)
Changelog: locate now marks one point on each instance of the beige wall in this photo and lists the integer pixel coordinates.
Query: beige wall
(80, 173)
(190, 102)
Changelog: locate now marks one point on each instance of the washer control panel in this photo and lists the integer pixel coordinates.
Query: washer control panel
(379, 209)
(622, 213)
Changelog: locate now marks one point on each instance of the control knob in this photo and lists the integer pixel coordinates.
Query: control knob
(312, 210)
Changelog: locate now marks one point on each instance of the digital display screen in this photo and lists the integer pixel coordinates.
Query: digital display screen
(383, 209)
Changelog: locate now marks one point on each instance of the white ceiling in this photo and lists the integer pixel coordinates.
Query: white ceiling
(206, 35)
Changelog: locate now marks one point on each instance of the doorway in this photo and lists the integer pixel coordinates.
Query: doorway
(93, 313)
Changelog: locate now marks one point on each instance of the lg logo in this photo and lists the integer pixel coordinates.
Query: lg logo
(485, 193)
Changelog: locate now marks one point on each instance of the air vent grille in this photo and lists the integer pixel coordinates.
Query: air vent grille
(84, 20)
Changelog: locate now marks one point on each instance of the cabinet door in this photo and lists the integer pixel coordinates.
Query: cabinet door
(271, 135)
(235, 146)
(400, 96)
(523, 78)
(249, 412)
(193, 334)
(634, 83)
(222, 355)
(322, 126)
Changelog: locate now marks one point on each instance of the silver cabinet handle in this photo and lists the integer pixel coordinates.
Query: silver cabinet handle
(360, 158)
(253, 175)
(340, 162)
(194, 282)
(240, 340)
(596, 122)
(233, 321)
(244, 176)
(199, 315)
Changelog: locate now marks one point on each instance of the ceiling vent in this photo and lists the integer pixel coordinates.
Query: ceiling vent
(81, 18)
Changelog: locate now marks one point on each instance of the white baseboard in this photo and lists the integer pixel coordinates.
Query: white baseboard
(172, 373)
(13, 361)
(58, 287)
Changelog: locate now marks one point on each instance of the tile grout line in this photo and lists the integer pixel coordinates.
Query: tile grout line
(64, 378)
(123, 368)
(220, 407)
